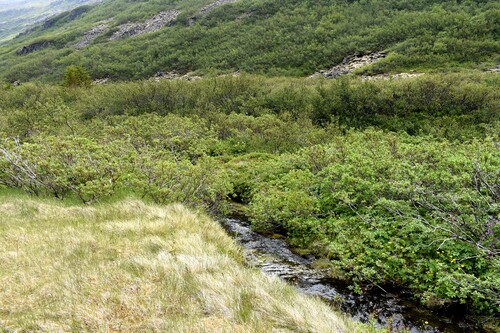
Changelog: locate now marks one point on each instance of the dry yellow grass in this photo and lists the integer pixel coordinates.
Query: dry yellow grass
(131, 267)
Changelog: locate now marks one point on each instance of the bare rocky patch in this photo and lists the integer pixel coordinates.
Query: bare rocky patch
(151, 25)
(495, 69)
(100, 81)
(349, 65)
(353, 62)
(92, 34)
(173, 75)
(399, 76)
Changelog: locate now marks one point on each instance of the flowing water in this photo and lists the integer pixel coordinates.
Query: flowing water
(384, 309)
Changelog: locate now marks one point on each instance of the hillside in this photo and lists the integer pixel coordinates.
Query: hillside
(386, 176)
(121, 39)
(21, 15)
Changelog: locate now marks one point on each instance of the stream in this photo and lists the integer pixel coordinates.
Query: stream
(394, 309)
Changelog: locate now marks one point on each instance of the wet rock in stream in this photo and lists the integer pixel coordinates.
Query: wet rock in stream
(273, 256)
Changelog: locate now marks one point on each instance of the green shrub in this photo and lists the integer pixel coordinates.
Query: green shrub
(76, 76)
(392, 209)
(166, 178)
(59, 166)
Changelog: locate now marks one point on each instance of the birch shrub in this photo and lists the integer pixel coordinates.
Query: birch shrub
(62, 165)
(392, 209)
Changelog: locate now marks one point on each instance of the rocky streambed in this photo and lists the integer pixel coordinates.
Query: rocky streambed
(384, 309)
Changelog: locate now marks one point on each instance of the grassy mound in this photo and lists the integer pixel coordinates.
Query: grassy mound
(131, 267)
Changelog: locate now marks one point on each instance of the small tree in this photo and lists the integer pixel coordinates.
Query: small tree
(76, 76)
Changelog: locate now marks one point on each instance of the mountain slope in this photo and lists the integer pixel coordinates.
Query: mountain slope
(17, 16)
(132, 40)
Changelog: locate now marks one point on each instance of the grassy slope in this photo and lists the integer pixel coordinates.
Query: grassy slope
(272, 37)
(131, 267)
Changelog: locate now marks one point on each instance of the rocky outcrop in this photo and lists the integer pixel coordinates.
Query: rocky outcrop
(349, 64)
(399, 76)
(92, 34)
(27, 49)
(175, 76)
(153, 24)
(215, 4)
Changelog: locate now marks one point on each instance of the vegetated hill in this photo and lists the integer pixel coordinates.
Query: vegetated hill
(18, 16)
(123, 39)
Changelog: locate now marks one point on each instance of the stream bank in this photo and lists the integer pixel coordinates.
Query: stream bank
(394, 309)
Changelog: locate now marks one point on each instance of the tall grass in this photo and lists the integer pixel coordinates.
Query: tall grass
(131, 267)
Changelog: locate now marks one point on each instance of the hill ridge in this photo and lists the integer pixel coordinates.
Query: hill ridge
(272, 37)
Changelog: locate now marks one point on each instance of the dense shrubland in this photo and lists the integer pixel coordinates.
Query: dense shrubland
(396, 183)
(454, 106)
(393, 209)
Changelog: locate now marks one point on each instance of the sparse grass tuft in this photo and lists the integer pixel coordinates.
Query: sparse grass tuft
(132, 267)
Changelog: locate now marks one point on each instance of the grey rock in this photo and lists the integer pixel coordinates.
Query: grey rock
(399, 76)
(173, 75)
(27, 49)
(350, 64)
(92, 34)
(151, 25)
(100, 81)
(495, 69)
